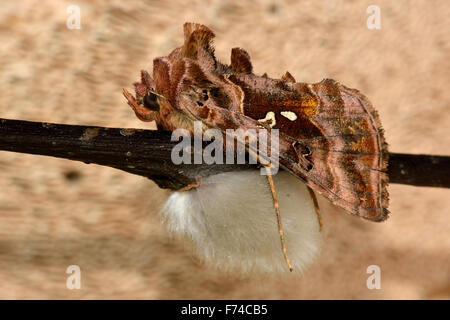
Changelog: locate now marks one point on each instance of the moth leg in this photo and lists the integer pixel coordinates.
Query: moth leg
(277, 211)
(190, 186)
(141, 112)
(316, 206)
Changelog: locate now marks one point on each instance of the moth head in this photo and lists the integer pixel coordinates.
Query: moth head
(146, 103)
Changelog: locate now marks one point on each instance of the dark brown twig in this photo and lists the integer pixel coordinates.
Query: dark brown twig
(419, 170)
(148, 153)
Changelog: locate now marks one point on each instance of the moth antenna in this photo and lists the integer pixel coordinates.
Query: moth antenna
(157, 94)
(316, 206)
(277, 211)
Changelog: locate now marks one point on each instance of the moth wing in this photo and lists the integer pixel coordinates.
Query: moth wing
(347, 168)
(347, 151)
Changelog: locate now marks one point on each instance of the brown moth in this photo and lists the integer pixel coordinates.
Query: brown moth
(330, 136)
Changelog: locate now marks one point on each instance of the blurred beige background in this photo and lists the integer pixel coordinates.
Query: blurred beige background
(55, 213)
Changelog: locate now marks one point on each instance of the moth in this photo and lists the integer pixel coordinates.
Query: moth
(330, 136)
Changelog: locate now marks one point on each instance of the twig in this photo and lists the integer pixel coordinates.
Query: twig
(148, 153)
(419, 170)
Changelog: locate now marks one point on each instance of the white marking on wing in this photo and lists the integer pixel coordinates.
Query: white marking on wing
(289, 115)
(269, 116)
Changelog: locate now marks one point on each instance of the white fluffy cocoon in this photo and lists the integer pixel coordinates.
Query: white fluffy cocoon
(231, 220)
